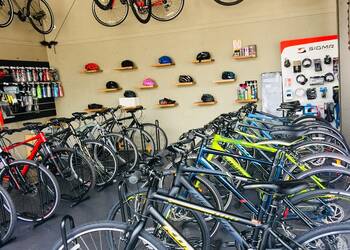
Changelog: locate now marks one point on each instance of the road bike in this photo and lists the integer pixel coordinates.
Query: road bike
(111, 13)
(38, 12)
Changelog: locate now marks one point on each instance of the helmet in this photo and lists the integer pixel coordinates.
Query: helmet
(207, 98)
(165, 60)
(92, 66)
(203, 56)
(185, 78)
(149, 82)
(129, 93)
(166, 101)
(127, 63)
(95, 106)
(112, 85)
(226, 75)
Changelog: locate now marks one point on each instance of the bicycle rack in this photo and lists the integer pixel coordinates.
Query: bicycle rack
(65, 219)
(76, 201)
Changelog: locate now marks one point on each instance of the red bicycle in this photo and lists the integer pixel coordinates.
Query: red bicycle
(74, 173)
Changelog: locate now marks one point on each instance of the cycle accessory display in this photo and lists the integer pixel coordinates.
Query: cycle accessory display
(185, 78)
(92, 67)
(301, 79)
(297, 66)
(318, 65)
(203, 56)
(327, 60)
(287, 63)
(95, 106)
(165, 60)
(307, 62)
(317, 80)
(329, 77)
(127, 64)
(311, 93)
(129, 94)
(228, 75)
(207, 98)
(166, 101)
(149, 82)
(112, 85)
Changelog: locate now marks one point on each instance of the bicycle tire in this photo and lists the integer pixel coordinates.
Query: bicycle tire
(105, 172)
(167, 17)
(314, 148)
(315, 135)
(74, 183)
(106, 227)
(152, 130)
(126, 150)
(147, 9)
(108, 23)
(7, 206)
(104, 6)
(323, 231)
(320, 159)
(203, 229)
(9, 12)
(229, 3)
(51, 185)
(32, 18)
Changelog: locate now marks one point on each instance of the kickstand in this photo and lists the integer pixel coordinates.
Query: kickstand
(64, 229)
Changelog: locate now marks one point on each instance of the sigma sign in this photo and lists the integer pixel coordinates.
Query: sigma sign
(316, 48)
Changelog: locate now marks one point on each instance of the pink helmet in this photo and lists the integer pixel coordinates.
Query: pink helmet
(149, 82)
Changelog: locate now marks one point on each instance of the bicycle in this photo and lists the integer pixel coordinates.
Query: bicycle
(119, 10)
(8, 218)
(38, 12)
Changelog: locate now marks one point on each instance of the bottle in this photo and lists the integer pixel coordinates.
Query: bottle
(48, 90)
(38, 91)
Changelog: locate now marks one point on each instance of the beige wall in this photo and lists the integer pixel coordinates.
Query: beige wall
(344, 69)
(203, 25)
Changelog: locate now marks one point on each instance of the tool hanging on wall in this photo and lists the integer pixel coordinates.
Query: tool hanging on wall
(53, 43)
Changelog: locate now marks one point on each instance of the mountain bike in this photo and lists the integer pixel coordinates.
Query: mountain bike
(38, 12)
(111, 13)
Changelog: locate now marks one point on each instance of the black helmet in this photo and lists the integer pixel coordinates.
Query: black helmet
(203, 56)
(95, 106)
(112, 85)
(127, 63)
(129, 93)
(166, 101)
(226, 75)
(207, 98)
(185, 78)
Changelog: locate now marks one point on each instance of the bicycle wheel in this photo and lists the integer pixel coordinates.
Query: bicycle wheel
(8, 216)
(166, 10)
(75, 174)
(307, 148)
(40, 16)
(6, 13)
(38, 194)
(228, 2)
(143, 141)
(331, 237)
(94, 236)
(103, 4)
(151, 129)
(104, 161)
(191, 224)
(142, 10)
(113, 16)
(126, 150)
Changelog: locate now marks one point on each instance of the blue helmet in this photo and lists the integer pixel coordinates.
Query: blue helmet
(165, 60)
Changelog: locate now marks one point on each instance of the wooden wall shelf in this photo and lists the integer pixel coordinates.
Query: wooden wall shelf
(205, 103)
(110, 90)
(126, 68)
(243, 57)
(91, 71)
(247, 101)
(95, 110)
(203, 61)
(225, 81)
(130, 108)
(168, 105)
(149, 87)
(184, 84)
(159, 65)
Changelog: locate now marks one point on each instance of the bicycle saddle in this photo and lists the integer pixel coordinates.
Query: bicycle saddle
(32, 124)
(79, 114)
(280, 187)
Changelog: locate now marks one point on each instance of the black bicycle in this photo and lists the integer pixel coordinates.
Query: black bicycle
(38, 12)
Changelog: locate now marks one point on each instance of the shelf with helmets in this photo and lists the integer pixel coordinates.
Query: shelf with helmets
(110, 90)
(162, 65)
(205, 103)
(225, 81)
(148, 87)
(84, 71)
(203, 61)
(130, 68)
(168, 105)
(185, 84)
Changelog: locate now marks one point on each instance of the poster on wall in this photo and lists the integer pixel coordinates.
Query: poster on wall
(310, 74)
(271, 86)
